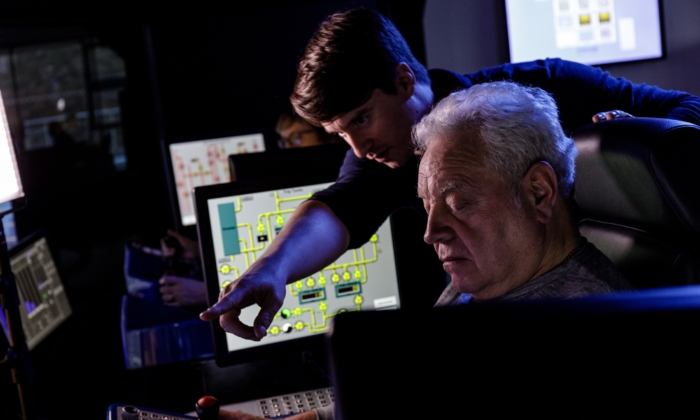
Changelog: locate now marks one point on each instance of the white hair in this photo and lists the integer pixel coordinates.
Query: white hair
(517, 125)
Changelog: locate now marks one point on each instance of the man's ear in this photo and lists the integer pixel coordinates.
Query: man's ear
(541, 189)
(405, 80)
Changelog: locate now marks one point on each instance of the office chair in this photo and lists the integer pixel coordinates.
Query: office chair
(639, 199)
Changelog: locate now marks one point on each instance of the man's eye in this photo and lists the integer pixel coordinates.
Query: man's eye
(361, 120)
(457, 205)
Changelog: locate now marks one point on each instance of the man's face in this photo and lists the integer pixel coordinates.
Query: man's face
(380, 129)
(299, 134)
(486, 243)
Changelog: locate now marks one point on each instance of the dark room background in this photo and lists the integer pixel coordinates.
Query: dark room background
(92, 91)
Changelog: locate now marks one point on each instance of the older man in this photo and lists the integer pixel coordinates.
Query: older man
(496, 177)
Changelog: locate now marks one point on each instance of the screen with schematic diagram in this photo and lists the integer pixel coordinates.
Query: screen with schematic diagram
(205, 162)
(243, 227)
(43, 301)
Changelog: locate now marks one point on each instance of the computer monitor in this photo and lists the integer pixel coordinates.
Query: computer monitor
(625, 354)
(195, 162)
(43, 301)
(587, 31)
(326, 158)
(237, 222)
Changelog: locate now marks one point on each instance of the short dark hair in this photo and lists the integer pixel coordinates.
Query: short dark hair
(350, 55)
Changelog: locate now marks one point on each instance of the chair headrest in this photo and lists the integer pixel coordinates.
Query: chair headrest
(640, 172)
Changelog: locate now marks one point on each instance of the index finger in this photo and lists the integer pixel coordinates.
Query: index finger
(228, 310)
(230, 301)
(231, 323)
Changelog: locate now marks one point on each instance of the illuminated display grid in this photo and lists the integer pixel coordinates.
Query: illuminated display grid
(361, 279)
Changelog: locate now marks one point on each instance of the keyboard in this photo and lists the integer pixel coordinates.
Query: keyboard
(270, 408)
(285, 405)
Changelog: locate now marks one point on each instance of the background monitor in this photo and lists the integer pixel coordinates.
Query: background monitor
(326, 158)
(197, 162)
(43, 301)
(586, 31)
(236, 224)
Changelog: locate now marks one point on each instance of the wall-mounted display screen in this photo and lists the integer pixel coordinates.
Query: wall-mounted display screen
(587, 31)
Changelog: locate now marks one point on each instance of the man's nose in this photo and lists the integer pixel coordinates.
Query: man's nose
(360, 146)
(436, 230)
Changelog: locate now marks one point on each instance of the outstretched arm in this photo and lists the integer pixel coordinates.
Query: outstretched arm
(583, 91)
(312, 239)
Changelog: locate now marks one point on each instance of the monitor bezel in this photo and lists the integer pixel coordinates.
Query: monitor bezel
(662, 38)
(190, 230)
(589, 320)
(29, 240)
(222, 356)
(315, 153)
(23, 245)
(14, 205)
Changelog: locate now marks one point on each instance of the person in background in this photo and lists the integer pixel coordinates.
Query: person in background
(296, 132)
(182, 283)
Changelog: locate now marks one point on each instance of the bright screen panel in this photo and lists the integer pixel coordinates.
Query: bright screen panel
(10, 182)
(587, 31)
(365, 278)
(237, 228)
